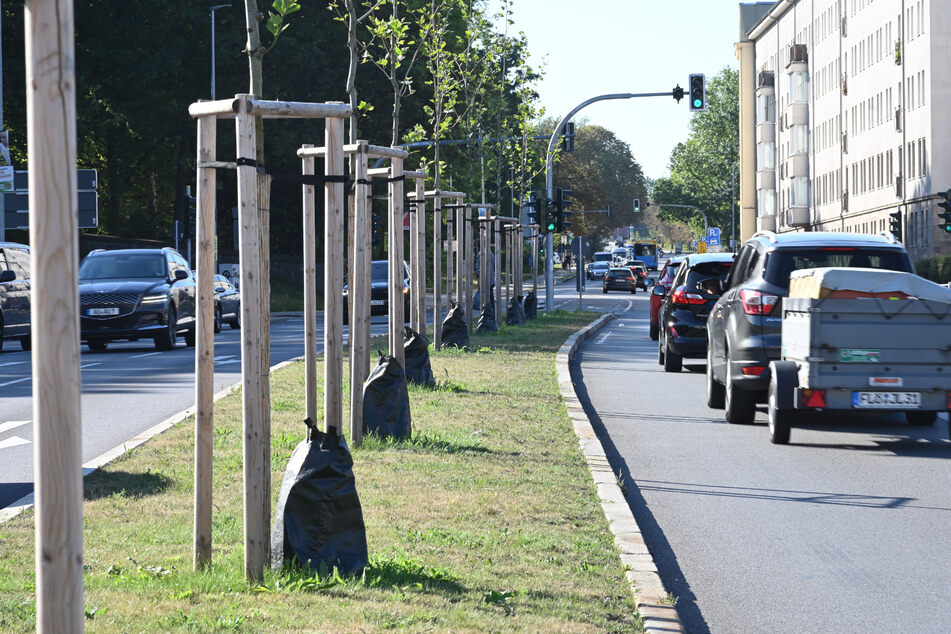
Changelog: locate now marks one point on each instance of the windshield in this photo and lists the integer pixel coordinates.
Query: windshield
(378, 271)
(782, 262)
(123, 266)
(602, 256)
(645, 249)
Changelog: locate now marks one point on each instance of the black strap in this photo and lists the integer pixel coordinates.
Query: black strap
(245, 161)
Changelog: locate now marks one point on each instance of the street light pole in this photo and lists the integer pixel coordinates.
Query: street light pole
(733, 207)
(212, 10)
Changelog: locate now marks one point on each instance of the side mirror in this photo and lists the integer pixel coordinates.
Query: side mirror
(180, 275)
(659, 290)
(7, 276)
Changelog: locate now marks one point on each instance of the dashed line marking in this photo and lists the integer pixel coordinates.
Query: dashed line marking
(6, 363)
(89, 365)
(13, 441)
(26, 378)
(603, 338)
(147, 354)
(13, 424)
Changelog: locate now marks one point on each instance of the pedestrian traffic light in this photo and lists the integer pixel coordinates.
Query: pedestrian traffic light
(698, 93)
(191, 201)
(378, 229)
(568, 139)
(945, 214)
(894, 224)
(637, 205)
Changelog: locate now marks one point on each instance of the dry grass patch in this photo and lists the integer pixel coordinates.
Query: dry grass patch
(485, 520)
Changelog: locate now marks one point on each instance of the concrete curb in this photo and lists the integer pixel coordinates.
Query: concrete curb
(26, 501)
(646, 585)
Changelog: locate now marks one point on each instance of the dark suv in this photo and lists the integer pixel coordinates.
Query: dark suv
(744, 327)
(15, 293)
(135, 294)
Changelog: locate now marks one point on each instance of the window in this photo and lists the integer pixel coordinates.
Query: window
(799, 87)
(766, 155)
(766, 203)
(800, 139)
(800, 191)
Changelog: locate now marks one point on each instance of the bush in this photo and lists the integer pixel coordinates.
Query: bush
(935, 269)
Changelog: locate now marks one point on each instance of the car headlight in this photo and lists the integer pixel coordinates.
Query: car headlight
(158, 298)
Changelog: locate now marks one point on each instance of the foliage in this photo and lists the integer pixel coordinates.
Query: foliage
(937, 269)
(702, 166)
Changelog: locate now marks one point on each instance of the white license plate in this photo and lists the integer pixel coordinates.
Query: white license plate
(377, 302)
(886, 400)
(99, 312)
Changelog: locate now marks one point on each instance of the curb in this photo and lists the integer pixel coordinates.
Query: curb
(641, 571)
(26, 502)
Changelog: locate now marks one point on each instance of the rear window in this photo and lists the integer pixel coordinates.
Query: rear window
(782, 262)
(602, 256)
(620, 274)
(701, 274)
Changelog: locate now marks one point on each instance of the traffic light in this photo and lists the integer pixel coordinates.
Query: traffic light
(562, 202)
(637, 205)
(894, 224)
(191, 211)
(378, 230)
(698, 93)
(546, 219)
(568, 140)
(945, 214)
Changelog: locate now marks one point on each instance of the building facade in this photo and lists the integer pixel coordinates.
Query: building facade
(847, 124)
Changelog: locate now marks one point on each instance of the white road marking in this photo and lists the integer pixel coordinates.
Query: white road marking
(13, 442)
(6, 363)
(26, 378)
(89, 365)
(146, 354)
(223, 357)
(13, 424)
(604, 338)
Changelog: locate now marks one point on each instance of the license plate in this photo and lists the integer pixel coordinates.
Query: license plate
(886, 400)
(99, 312)
(377, 302)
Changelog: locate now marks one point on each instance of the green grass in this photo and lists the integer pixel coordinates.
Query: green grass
(288, 296)
(485, 520)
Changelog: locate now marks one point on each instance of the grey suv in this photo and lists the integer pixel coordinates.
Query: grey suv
(744, 326)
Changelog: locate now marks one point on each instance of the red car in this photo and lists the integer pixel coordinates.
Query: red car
(660, 290)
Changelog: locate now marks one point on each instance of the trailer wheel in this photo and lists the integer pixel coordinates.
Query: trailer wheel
(779, 423)
(780, 411)
(921, 419)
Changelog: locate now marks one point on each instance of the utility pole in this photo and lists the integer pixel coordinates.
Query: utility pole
(3, 210)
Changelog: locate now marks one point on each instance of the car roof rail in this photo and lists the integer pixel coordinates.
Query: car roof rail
(763, 233)
(888, 236)
(96, 251)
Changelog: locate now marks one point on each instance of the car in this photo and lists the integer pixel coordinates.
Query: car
(640, 272)
(227, 302)
(619, 278)
(132, 294)
(602, 256)
(745, 325)
(597, 270)
(665, 280)
(683, 312)
(379, 290)
(15, 294)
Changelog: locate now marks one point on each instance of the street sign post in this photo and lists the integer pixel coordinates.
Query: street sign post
(17, 202)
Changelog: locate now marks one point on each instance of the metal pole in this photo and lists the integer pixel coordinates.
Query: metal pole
(212, 12)
(733, 207)
(3, 211)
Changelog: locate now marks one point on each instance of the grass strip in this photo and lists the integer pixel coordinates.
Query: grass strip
(486, 520)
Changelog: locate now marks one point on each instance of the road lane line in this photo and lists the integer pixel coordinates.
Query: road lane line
(225, 356)
(6, 363)
(26, 378)
(13, 441)
(13, 424)
(89, 365)
(147, 354)
(603, 338)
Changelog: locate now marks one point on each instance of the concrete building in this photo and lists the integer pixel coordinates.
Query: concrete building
(843, 124)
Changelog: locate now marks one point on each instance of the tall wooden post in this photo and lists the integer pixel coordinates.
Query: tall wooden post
(54, 256)
(310, 289)
(412, 318)
(535, 261)
(437, 271)
(460, 254)
(467, 223)
(360, 294)
(334, 200)
(497, 230)
(255, 530)
(419, 282)
(484, 290)
(395, 255)
(205, 339)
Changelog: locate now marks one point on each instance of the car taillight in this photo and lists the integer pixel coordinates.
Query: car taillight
(682, 297)
(630, 279)
(757, 302)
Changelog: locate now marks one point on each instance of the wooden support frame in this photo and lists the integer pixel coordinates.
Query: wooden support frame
(254, 277)
(417, 242)
(497, 240)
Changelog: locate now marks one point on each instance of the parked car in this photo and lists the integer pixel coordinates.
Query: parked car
(136, 294)
(227, 302)
(619, 278)
(379, 290)
(597, 270)
(744, 328)
(683, 312)
(665, 280)
(15, 293)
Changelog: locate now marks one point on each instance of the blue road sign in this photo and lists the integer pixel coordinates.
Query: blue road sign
(713, 237)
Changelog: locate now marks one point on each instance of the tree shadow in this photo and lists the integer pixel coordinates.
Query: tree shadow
(101, 484)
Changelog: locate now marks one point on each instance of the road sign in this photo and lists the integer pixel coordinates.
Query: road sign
(713, 237)
(16, 203)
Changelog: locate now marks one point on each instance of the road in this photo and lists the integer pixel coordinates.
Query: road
(847, 529)
(126, 389)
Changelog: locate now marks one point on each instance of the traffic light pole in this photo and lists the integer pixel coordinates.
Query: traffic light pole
(676, 93)
(697, 209)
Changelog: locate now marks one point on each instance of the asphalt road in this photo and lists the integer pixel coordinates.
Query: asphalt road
(126, 389)
(847, 529)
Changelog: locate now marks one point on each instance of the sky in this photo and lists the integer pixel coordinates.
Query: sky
(595, 47)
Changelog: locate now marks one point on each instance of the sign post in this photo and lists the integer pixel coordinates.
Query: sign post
(578, 246)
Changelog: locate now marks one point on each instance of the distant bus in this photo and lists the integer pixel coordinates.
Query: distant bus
(646, 251)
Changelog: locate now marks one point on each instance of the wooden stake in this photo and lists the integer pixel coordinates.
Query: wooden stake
(360, 291)
(334, 199)
(310, 290)
(450, 262)
(497, 230)
(57, 420)
(419, 279)
(205, 339)
(437, 272)
(467, 223)
(395, 266)
(413, 316)
(255, 530)
(460, 256)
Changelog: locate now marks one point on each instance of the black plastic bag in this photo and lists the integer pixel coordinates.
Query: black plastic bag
(416, 352)
(454, 330)
(319, 520)
(531, 305)
(487, 321)
(386, 400)
(515, 315)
